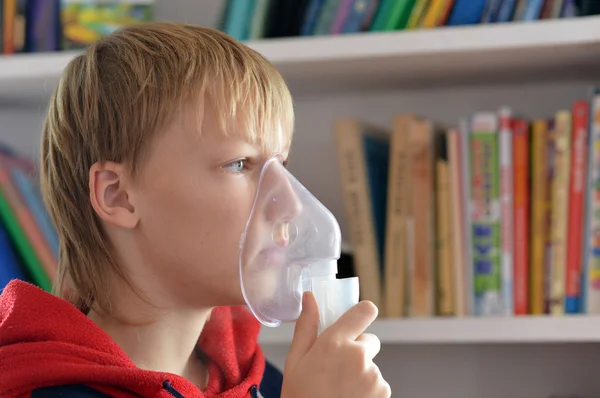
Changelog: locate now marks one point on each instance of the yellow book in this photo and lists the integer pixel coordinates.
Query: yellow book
(417, 14)
(398, 208)
(445, 274)
(560, 211)
(539, 181)
(362, 154)
(421, 224)
(436, 13)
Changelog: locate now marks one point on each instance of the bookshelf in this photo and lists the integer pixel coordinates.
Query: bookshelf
(324, 65)
(443, 73)
(492, 330)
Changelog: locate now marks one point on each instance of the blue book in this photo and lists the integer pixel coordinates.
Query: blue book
(466, 12)
(313, 10)
(492, 11)
(532, 11)
(239, 18)
(34, 203)
(376, 152)
(507, 10)
(10, 267)
(359, 12)
(569, 9)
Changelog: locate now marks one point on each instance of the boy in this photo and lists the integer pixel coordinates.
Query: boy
(151, 152)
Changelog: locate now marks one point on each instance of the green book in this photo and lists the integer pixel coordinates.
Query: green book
(22, 245)
(400, 14)
(485, 204)
(382, 15)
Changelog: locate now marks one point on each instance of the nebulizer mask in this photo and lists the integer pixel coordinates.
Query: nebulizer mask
(291, 244)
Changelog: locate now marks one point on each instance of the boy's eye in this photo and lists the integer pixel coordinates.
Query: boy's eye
(237, 166)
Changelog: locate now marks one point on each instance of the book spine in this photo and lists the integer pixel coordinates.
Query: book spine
(506, 194)
(397, 210)
(560, 208)
(357, 16)
(592, 253)
(581, 110)
(539, 181)
(423, 219)
(556, 9)
(417, 14)
(486, 215)
(355, 190)
(465, 186)
(521, 216)
(445, 274)
(456, 158)
(341, 15)
(20, 240)
(548, 246)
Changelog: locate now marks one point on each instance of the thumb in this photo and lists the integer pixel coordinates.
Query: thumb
(306, 330)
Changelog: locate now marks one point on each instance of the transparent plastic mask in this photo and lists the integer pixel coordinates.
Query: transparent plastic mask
(291, 244)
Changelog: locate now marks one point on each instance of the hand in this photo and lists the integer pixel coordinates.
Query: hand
(338, 362)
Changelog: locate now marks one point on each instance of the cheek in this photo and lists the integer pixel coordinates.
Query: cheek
(197, 224)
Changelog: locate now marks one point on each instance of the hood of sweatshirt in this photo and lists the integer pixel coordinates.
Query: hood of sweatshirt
(46, 341)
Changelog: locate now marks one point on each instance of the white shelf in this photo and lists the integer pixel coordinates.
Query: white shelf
(547, 49)
(530, 329)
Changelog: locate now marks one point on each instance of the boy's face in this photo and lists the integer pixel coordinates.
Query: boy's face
(192, 200)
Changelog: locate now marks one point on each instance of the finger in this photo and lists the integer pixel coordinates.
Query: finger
(306, 330)
(354, 321)
(370, 343)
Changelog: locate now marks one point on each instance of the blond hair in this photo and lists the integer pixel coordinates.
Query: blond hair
(114, 98)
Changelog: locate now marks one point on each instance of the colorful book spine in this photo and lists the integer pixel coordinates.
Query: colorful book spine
(577, 181)
(455, 160)
(27, 222)
(560, 208)
(592, 238)
(343, 11)
(10, 267)
(557, 6)
(422, 163)
(506, 194)
(465, 186)
(311, 17)
(437, 13)
(539, 181)
(363, 159)
(36, 206)
(21, 242)
(486, 215)
(360, 16)
(398, 208)
(417, 14)
(521, 185)
(443, 202)
(548, 247)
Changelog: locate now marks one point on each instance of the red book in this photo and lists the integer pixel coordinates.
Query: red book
(521, 215)
(577, 185)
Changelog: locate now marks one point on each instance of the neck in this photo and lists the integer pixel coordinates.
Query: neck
(160, 340)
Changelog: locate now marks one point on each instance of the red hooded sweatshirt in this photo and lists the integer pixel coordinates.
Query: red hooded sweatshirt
(45, 341)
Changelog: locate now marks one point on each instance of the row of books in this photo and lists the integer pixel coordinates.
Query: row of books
(258, 19)
(497, 215)
(54, 25)
(28, 239)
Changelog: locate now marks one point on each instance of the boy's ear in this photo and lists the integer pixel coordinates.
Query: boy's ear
(109, 194)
